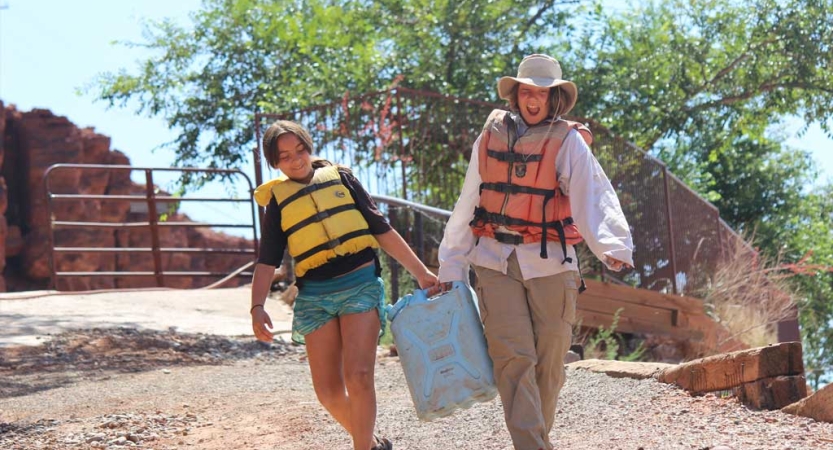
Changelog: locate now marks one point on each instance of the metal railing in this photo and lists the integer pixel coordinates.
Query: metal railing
(149, 220)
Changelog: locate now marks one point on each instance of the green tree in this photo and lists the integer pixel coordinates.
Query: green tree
(239, 57)
(460, 47)
(811, 241)
(664, 74)
(700, 84)
(759, 186)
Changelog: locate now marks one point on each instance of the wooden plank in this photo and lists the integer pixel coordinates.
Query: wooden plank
(634, 325)
(772, 393)
(648, 313)
(644, 297)
(595, 303)
(729, 370)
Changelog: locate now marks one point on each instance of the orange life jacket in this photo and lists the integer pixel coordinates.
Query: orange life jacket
(520, 199)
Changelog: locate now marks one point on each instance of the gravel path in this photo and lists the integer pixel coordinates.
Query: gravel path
(127, 389)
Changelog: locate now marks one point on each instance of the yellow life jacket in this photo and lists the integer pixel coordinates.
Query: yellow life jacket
(320, 219)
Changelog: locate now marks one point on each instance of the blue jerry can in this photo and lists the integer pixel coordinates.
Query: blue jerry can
(442, 350)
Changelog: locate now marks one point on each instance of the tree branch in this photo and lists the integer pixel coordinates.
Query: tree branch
(750, 49)
(529, 23)
(766, 87)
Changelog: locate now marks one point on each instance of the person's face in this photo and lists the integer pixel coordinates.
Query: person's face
(534, 103)
(294, 158)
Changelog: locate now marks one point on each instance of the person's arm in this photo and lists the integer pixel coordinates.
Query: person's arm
(272, 247)
(389, 239)
(393, 244)
(595, 206)
(261, 283)
(458, 239)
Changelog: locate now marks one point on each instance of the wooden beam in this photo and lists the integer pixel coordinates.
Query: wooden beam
(644, 297)
(729, 370)
(642, 311)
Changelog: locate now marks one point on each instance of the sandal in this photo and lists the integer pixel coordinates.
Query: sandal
(382, 443)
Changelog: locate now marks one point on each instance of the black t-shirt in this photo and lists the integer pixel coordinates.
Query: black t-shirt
(273, 239)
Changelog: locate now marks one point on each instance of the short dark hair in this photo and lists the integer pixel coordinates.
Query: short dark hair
(278, 129)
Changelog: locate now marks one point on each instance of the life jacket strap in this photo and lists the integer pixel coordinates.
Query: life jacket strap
(509, 188)
(307, 190)
(513, 157)
(331, 244)
(317, 217)
(508, 238)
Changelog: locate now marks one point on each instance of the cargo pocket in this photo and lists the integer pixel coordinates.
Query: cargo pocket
(568, 311)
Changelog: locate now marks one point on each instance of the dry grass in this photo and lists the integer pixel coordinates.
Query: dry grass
(749, 294)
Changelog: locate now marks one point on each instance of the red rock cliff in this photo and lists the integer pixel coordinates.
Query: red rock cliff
(31, 142)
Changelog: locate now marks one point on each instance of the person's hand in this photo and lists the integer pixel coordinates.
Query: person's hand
(616, 265)
(261, 324)
(429, 282)
(440, 288)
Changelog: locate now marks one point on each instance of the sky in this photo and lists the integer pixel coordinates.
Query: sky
(51, 48)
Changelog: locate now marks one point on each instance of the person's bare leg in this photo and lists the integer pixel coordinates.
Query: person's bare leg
(361, 333)
(324, 353)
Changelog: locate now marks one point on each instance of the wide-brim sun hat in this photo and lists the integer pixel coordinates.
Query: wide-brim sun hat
(541, 71)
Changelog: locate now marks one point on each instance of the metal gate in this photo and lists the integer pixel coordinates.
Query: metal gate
(147, 202)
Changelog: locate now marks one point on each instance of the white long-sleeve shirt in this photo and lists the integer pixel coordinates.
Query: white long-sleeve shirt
(595, 208)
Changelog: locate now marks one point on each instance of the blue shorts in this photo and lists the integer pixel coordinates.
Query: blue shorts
(319, 302)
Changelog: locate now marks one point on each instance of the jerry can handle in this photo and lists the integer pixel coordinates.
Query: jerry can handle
(420, 296)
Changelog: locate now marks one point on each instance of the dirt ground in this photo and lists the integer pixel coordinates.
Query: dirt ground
(122, 388)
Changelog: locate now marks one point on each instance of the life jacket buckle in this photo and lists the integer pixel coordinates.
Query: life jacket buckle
(507, 238)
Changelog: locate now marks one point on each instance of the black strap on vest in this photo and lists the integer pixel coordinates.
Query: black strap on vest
(321, 215)
(509, 188)
(482, 216)
(331, 244)
(562, 236)
(307, 190)
(513, 157)
(508, 238)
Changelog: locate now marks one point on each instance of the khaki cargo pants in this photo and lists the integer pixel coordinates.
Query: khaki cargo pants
(528, 327)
